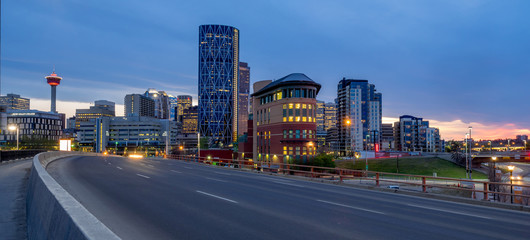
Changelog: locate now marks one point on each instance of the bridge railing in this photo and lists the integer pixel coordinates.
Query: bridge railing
(499, 191)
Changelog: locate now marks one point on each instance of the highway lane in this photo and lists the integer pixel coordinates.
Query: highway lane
(167, 199)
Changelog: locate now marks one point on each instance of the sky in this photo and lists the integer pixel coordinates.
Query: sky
(455, 63)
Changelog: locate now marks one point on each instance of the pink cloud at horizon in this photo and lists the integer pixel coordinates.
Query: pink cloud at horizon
(457, 129)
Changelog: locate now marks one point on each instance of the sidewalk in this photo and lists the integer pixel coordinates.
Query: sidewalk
(13, 183)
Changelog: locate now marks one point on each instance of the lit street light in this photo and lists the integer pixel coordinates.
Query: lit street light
(510, 168)
(13, 128)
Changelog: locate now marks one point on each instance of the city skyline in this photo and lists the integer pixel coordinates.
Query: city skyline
(464, 68)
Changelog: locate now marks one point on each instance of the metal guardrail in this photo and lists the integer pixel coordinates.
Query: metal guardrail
(341, 174)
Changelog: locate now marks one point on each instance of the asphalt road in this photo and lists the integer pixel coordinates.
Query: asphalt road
(168, 199)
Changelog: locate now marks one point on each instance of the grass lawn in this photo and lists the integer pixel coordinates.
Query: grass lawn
(414, 165)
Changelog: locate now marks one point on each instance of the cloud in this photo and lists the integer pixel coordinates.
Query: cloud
(457, 129)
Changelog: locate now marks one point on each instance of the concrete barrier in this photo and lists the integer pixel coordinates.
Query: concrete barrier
(52, 213)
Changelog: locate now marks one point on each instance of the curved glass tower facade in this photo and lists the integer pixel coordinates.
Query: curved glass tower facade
(218, 83)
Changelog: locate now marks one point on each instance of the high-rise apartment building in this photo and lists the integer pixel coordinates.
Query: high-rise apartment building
(139, 105)
(218, 83)
(284, 119)
(173, 104)
(321, 124)
(244, 85)
(414, 134)
(330, 115)
(101, 108)
(161, 100)
(183, 103)
(14, 102)
(359, 115)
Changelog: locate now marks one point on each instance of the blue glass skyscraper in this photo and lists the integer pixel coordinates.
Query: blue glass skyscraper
(218, 83)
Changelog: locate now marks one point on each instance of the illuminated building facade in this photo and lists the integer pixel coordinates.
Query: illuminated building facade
(139, 105)
(14, 102)
(330, 115)
(126, 134)
(172, 107)
(32, 124)
(284, 119)
(189, 120)
(101, 108)
(414, 134)
(184, 102)
(218, 83)
(321, 124)
(244, 84)
(359, 115)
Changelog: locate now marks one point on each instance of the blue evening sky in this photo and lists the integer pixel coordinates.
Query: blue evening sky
(461, 61)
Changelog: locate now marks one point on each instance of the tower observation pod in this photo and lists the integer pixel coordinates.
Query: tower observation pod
(53, 81)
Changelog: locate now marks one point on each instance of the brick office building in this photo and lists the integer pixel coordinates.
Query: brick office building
(284, 119)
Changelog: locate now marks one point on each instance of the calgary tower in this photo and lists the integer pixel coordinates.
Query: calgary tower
(53, 80)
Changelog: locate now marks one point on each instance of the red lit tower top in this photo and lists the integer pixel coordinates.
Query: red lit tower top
(53, 79)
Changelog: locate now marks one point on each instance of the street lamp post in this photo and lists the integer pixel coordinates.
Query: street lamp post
(467, 162)
(489, 142)
(470, 157)
(510, 168)
(14, 128)
(494, 177)
(366, 154)
(524, 145)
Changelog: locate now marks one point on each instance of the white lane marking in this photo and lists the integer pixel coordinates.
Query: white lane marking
(215, 196)
(150, 165)
(352, 207)
(223, 173)
(449, 211)
(188, 167)
(140, 175)
(109, 163)
(119, 168)
(215, 179)
(176, 171)
(290, 184)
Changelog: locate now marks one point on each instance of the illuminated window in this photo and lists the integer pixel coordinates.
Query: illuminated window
(284, 150)
(291, 118)
(304, 106)
(290, 106)
(304, 119)
(298, 119)
(298, 106)
(285, 119)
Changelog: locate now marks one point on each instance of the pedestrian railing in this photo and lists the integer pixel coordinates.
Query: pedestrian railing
(495, 191)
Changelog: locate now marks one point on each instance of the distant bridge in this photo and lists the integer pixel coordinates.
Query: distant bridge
(501, 157)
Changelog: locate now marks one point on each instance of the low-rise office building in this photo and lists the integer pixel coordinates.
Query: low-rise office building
(31, 124)
(123, 134)
(284, 114)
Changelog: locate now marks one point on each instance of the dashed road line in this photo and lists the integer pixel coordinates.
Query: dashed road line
(140, 175)
(119, 168)
(215, 196)
(215, 179)
(176, 171)
(352, 207)
(448, 211)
